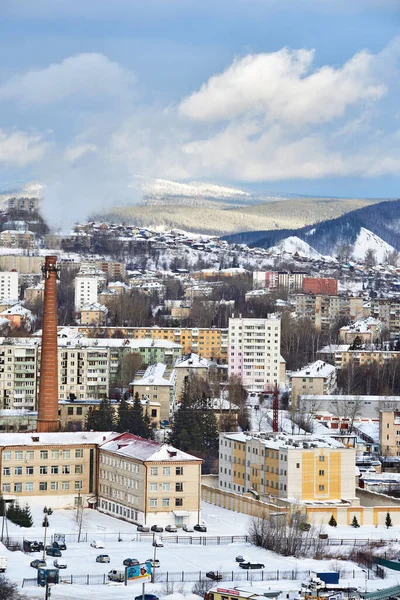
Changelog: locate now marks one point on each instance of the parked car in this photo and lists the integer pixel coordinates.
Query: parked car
(147, 597)
(97, 544)
(154, 563)
(214, 575)
(59, 564)
(103, 558)
(115, 575)
(171, 528)
(249, 565)
(60, 545)
(239, 559)
(157, 528)
(143, 528)
(199, 527)
(130, 562)
(50, 551)
(158, 542)
(38, 563)
(187, 528)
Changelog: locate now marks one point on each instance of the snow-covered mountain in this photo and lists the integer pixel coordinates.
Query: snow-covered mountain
(162, 189)
(293, 245)
(367, 240)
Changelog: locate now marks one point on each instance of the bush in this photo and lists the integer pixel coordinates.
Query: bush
(332, 522)
(354, 522)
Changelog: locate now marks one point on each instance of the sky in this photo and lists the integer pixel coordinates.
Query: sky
(268, 95)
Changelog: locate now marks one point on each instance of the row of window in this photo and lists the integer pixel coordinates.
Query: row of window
(44, 454)
(43, 470)
(127, 513)
(165, 502)
(119, 464)
(166, 471)
(166, 487)
(52, 486)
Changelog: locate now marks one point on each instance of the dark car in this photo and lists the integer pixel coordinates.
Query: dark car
(171, 528)
(103, 558)
(59, 545)
(214, 575)
(143, 528)
(157, 528)
(38, 563)
(50, 551)
(131, 562)
(249, 565)
(199, 527)
(147, 597)
(239, 559)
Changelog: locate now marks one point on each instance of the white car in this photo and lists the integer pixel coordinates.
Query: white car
(158, 542)
(187, 528)
(97, 544)
(60, 564)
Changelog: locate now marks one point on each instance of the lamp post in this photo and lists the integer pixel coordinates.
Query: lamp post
(47, 511)
(366, 580)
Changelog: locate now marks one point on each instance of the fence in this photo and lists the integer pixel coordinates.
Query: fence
(193, 576)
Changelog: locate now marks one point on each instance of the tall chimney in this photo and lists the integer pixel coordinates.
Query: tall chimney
(48, 387)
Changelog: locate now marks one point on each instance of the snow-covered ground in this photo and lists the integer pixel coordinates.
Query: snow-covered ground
(81, 558)
(367, 240)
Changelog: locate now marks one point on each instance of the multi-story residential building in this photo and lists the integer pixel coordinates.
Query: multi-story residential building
(307, 468)
(34, 293)
(94, 314)
(365, 330)
(14, 238)
(18, 374)
(316, 378)
(320, 285)
(387, 311)
(190, 365)
(144, 482)
(158, 384)
(87, 285)
(23, 204)
(347, 405)
(389, 431)
(323, 311)
(22, 264)
(9, 285)
(254, 352)
(50, 465)
(289, 280)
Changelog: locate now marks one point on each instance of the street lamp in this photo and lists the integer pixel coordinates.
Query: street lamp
(365, 571)
(47, 511)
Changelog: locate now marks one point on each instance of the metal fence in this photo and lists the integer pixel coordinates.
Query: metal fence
(193, 576)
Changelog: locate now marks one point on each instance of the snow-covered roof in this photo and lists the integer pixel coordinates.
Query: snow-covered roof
(193, 361)
(61, 438)
(287, 440)
(362, 325)
(133, 446)
(154, 375)
(95, 306)
(318, 368)
(17, 309)
(333, 348)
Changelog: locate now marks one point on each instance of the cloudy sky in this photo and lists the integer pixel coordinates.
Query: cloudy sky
(298, 96)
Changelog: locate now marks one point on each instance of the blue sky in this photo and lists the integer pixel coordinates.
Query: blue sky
(289, 96)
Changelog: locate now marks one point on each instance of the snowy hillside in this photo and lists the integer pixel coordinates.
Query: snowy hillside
(293, 244)
(366, 240)
(162, 189)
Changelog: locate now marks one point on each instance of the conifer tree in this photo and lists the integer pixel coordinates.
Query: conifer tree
(139, 425)
(354, 522)
(27, 520)
(388, 520)
(332, 522)
(124, 416)
(102, 418)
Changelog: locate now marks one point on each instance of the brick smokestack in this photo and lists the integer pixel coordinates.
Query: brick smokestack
(48, 387)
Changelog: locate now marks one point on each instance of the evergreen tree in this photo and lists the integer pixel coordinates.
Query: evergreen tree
(102, 418)
(388, 520)
(124, 416)
(26, 516)
(139, 426)
(354, 522)
(332, 522)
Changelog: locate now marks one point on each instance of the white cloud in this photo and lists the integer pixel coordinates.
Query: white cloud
(77, 151)
(281, 87)
(19, 148)
(84, 76)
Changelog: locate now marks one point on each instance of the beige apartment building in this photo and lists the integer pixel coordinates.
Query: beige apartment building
(94, 314)
(22, 264)
(389, 432)
(54, 466)
(192, 365)
(142, 481)
(307, 468)
(158, 384)
(316, 378)
(323, 311)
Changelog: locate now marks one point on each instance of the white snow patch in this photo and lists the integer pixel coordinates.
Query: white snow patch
(366, 240)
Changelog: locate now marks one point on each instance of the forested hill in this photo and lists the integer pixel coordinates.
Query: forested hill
(383, 219)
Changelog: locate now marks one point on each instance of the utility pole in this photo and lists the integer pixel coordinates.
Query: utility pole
(154, 557)
(275, 426)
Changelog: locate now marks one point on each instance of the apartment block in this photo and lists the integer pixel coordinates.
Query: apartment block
(320, 285)
(87, 285)
(142, 481)
(317, 378)
(22, 264)
(192, 365)
(158, 384)
(9, 285)
(23, 204)
(324, 310)
(366, 331)
(307, 468)
(14, 238)
(18, 375)
(289, 280)
(254, 352)
(389, 431)
(387, 311)
(50, 465)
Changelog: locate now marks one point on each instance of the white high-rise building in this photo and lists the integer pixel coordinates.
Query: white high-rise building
(86, 288)
(9, 285)
(254, 352)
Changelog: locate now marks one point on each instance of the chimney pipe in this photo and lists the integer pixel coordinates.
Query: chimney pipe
(48, 387)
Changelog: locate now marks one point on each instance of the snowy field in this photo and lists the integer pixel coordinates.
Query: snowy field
(81, 558)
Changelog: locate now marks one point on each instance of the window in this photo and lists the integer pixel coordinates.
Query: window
(19, 455)
(29, 470)
(178, 501)
(79, 410)
(44, 454)
(153, 470)
(166, 471)
(29, 487)
(66, 469)
(321, 458)
(55, 454)
(179, 470)
(297, 465)
(6, 471)
(18, 471)
(66, 453)
(321, 472)
(179, 487)
(6, 487)
(153, 487)
(321, 488)
(30, 455)
(7, 455)
(79, 453)
(65, 485)
(165, 502)
(153, 502)
(78, 485)
(54, 486)
(43, 470)
(70, 410)
(79, 469)
(54, 470)
(43, 486)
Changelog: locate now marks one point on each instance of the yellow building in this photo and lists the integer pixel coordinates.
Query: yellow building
(94, 314)
(316, 378)
(389, 432)
(55, 466)
(302, 467)
(142, 481)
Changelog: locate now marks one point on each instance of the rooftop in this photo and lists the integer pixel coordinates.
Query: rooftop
(318, 368)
